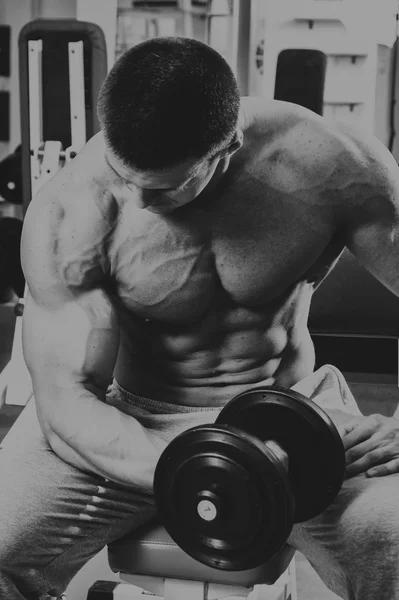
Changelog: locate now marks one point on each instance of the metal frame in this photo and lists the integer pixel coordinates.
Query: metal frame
(46, 159)
(284, 588)
(35, 50)
(77, 98)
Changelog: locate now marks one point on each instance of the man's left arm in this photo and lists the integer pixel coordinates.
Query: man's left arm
(371, 214)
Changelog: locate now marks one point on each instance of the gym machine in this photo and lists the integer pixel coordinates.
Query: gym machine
(62, 65)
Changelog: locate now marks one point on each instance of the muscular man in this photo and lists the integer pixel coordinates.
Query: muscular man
(178, 253)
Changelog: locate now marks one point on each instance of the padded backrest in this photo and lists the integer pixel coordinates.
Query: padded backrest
(56, 34)
(300, 78)
(151, 551)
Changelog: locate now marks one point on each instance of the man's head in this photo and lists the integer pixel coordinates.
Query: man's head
(169, 109)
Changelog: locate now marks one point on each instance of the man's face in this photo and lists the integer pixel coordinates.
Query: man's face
(162, 192)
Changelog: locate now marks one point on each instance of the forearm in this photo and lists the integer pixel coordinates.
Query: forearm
(100, 439)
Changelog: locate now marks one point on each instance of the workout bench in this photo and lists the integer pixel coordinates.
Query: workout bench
(150, 560)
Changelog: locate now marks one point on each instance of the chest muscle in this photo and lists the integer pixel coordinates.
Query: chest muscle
(174, 270)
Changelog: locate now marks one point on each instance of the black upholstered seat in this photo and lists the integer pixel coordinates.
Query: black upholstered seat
(150, 551)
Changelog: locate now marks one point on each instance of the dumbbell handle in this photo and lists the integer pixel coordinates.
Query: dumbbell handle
(207, 506)
(278, 451)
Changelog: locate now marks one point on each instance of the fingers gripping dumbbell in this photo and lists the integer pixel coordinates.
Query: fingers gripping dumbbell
(230, 493)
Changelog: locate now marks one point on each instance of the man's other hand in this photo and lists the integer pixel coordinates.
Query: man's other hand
(371, 445)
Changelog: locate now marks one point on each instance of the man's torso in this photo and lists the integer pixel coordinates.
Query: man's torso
(213, 298)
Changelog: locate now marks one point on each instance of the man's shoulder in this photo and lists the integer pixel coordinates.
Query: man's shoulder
(332, 154)
(311, 140)
(79, 194)
(337, 170)
(302, 133)
(71, 219)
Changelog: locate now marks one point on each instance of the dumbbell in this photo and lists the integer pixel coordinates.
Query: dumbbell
(229, 493)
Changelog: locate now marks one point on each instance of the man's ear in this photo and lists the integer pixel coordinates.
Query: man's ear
(234, 145)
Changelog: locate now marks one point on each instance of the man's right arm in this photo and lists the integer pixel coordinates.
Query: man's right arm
(70, 341)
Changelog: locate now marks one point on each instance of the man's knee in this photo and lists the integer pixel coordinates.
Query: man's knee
(370, 522)
(9, 555)
(17, 577)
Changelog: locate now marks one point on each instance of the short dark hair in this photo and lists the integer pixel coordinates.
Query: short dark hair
(167, 100)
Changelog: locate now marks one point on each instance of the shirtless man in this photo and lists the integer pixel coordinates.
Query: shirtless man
(179, 253)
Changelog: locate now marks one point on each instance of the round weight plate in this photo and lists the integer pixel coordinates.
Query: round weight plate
(316, 454)
(223, 497)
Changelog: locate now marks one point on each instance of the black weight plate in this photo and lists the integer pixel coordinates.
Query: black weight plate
(249, 489)
(315, 450)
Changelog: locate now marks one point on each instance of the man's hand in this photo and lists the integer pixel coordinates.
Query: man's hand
(372, 445)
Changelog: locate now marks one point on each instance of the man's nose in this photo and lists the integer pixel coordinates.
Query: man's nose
(145, 198)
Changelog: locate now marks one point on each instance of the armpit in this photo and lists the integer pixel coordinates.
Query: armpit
(326, 261)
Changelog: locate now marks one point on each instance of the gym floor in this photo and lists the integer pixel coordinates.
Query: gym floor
(376, 396)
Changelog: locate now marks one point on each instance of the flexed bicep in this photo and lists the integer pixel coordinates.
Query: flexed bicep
(73, 344)
(70, 326)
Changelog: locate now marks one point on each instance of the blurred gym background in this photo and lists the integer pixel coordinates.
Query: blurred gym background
(339, 58)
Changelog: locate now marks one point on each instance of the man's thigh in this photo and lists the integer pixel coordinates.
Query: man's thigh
(53, 517)
(354, 544)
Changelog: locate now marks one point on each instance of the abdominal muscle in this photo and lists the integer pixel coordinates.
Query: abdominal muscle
(213, 360)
